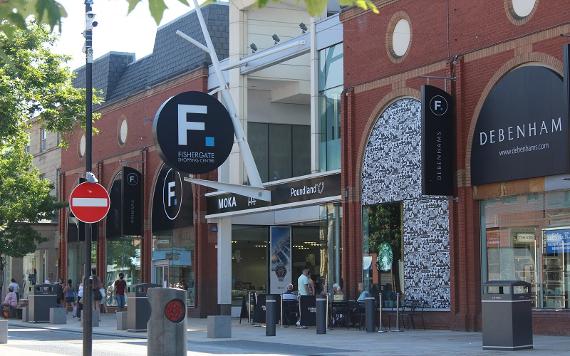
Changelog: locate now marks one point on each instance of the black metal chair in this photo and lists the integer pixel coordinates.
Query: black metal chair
(290, 312)
(340, 314)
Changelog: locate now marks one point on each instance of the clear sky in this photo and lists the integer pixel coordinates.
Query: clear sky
(116, 31)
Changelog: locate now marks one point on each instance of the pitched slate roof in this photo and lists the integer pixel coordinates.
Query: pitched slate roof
(118, 75)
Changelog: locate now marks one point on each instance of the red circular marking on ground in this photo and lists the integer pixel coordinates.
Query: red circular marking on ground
(175, 310)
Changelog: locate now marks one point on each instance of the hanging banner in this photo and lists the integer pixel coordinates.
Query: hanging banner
(131, 202)
(522, 129)
(113, 221)
(280, 259)
(438, 141)
(172, 201)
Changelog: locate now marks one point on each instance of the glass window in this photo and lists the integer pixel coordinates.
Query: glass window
(258, 136)
(123, 255)
(383, 258)
(280, 152)
(527, 238)
(330, 89)
(301, 150)
(331, 67)
(173, 260)
(43, 139)
(249, 260)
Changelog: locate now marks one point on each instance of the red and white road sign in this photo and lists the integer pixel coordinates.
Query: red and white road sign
(89, 202)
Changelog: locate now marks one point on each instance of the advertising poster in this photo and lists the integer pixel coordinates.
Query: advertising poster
(557, 241)
(280, 259)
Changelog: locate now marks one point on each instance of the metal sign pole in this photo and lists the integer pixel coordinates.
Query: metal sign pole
(87, 282)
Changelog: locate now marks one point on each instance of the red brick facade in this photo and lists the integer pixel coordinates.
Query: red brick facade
(476, 42)
(139, 152)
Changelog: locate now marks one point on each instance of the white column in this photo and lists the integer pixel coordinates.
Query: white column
(224, 263)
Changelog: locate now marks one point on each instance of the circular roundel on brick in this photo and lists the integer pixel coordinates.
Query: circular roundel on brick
(193, 132)
(175, 310)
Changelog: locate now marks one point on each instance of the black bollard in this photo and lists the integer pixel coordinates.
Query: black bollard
(321, 315)
(270, 315)
(369, 313)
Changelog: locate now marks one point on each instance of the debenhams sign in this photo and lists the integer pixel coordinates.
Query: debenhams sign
(522, 130)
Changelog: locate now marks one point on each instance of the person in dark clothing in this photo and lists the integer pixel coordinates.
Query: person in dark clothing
(120, 287)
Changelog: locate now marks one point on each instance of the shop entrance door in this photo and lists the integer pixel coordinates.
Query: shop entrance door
(161, 273)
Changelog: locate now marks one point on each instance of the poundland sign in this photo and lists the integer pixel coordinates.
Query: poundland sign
(522, 130)
(194, 132)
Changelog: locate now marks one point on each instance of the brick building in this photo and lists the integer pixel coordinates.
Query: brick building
(170, 249)
(497, 225)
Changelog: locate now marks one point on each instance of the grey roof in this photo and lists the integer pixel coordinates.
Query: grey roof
(118, 75)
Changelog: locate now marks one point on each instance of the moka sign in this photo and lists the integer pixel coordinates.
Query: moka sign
(194, 132)
(522, 129)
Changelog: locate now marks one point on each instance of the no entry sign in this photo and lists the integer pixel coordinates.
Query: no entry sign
(89, 202)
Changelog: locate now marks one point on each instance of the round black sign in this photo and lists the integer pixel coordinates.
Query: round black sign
(194, 132)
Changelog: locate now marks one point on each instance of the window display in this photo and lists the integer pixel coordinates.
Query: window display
(527, 238)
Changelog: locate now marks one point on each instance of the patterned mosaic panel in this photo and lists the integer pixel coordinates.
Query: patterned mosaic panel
(391, 172)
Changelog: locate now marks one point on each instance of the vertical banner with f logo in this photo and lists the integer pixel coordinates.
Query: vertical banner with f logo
(131, 202)
(194, 132)
(438, 141)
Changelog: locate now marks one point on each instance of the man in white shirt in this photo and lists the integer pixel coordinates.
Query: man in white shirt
(303, 287)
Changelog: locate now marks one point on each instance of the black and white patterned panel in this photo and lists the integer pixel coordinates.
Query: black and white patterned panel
(391, 171)
(426, 251)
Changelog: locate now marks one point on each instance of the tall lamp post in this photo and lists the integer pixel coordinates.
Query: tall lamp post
(87, 282)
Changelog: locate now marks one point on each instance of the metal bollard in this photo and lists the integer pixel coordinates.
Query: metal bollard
(369, 314)
(270, 315)
(321, 315)
(397, 313)
(167, 324)
(380, 328)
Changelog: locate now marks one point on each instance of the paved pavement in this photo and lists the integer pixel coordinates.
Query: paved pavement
(48, 339)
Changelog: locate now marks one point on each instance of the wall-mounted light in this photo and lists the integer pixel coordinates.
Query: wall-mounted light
(253, 47)
(276, 38)
(303, 27)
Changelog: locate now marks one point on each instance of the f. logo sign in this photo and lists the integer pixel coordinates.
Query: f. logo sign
(438, 105)
(193, 132)
(172, 194)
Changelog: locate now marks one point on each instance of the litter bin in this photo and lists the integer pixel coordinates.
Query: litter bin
(40, 299)
(507, 315)
(138, 311)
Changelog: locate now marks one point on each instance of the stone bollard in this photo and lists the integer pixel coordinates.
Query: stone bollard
(270, 315)
(121, 320)
(219, 326)
(57, 316)
(94, 318)
(167, 324)
(3, 331)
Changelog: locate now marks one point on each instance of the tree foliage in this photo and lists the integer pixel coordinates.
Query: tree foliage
(34, 84)
(25, 198)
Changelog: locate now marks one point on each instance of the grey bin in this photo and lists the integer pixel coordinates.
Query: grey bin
(507, 315)
(41, 298)
(138, 307)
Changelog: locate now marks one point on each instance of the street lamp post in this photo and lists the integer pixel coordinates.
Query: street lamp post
(87, 282)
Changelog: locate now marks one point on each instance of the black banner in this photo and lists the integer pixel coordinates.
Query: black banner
(522, 130)
(172, 201)
(284, 193)
(113, 221)
(438, 140)
(131, 201)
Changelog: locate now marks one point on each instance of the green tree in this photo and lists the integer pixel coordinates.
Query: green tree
(34, 83)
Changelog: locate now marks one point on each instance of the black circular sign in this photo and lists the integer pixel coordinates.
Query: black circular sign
(175, 310)
(194, 132)
(438, 105)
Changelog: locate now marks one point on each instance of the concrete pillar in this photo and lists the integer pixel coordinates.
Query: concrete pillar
(225, 265)
(3, 331)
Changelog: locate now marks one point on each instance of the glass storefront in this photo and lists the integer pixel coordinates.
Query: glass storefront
(249, 260)
(172, 260)
(330, 89)
(527, 237)
(123, 255)
(382, 257)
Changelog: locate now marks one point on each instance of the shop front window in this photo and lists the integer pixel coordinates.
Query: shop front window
(249, 260)
(123, 256)
(527, 238)
(382, 257)
(172, 260)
